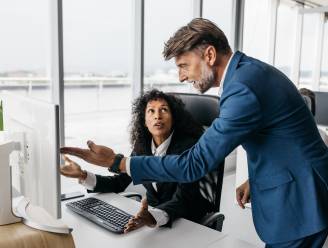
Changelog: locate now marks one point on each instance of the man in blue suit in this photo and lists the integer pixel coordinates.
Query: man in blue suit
(260, 109)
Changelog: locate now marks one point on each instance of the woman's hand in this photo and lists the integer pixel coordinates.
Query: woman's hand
(142, 218)
(243, 194)
(96, 154)
(71, 169)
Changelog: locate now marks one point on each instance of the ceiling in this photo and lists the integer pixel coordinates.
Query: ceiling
(314, 3)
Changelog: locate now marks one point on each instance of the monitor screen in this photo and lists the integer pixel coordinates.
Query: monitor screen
(35, 168)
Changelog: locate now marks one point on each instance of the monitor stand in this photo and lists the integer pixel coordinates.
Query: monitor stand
(37, 218)
(33, 216)
(6, 214)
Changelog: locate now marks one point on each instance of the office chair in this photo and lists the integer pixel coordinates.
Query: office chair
(135, 195)
(321, 103)
(204, 109)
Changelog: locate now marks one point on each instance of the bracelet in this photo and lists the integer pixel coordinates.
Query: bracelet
(116, 165)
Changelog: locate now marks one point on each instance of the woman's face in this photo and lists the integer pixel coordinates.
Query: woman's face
(159, 119)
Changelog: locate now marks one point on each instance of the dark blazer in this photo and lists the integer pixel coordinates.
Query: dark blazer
(260, 109)
(178, 200)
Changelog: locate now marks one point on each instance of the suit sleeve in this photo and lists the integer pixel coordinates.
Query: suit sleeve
(116, 184)
(185, 203)
(240, 116)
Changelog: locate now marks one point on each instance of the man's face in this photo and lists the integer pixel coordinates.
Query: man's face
(194, 69)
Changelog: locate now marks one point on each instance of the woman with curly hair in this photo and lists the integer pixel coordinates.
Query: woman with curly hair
(160, 125)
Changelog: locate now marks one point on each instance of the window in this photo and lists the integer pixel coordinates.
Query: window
(24, 48)
(324, 63)
(161, 21)
(256, 32)
(220, 12)
(285, 36)
(97, 62)
(309, 41)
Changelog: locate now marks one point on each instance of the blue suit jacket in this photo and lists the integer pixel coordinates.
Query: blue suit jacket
(260, 109)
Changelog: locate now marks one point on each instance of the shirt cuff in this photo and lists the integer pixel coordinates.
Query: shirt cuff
(159, 215)
(127, 166)
(90, 181)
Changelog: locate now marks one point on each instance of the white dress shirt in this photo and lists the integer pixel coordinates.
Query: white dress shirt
(223, 77)
(159, 215)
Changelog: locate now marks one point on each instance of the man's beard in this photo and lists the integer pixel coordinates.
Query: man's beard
(207, 80)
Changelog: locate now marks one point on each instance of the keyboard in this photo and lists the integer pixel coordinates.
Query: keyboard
(101, 213)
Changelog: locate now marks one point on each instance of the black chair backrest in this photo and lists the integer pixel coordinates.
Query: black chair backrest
(321, 105)
(204, 109)
(211, 186)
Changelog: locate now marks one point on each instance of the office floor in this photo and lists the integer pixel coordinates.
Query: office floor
(238, 222)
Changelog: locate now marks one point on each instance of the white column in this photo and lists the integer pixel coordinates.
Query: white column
(197, 8)
(138, 48)
(318, 50)
(237, 24)
(295, 72)
(273, 10)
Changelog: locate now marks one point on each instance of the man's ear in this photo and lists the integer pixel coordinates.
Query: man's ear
(210, 55)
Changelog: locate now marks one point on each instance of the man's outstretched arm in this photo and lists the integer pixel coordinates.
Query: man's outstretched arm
(240, 115)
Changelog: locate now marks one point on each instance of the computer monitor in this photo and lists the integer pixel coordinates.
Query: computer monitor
(35, 169)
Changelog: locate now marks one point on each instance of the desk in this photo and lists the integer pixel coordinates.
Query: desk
(231, 242)
(184, 233)
(20, 235)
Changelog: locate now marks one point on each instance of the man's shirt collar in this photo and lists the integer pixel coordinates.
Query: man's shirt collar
(223, 76)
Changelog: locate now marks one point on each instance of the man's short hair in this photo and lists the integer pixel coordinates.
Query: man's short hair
(199, 33)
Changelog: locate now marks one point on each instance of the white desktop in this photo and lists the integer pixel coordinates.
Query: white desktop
(183, 233)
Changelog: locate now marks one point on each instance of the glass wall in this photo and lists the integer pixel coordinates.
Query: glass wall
(97, 64)
(285, 36)
(163, 74)
(256, 29)
(324, 63)
(309, 41)
(161, 21)
(220, 12)
(24, 48)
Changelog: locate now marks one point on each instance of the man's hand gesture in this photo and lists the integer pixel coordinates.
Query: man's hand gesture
(142, 218)
(96, 154)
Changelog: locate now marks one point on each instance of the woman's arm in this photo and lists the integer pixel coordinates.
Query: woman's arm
(116, 184)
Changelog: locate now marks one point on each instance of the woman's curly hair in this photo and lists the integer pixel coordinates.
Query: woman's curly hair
(183, 123)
